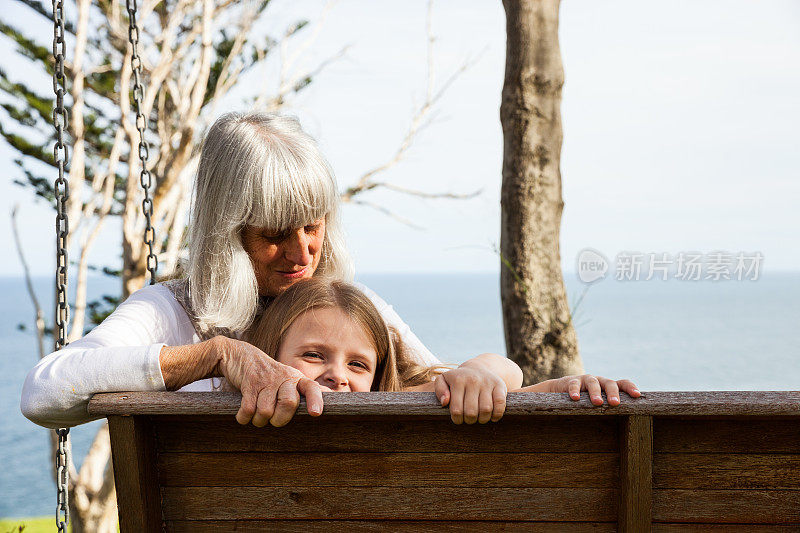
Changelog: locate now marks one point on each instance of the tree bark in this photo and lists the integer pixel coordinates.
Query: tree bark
(536, 316)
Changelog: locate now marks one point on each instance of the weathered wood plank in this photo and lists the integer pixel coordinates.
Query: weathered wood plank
(675, 435)
(352, 403)
(135, 476)
(395, 526)
(392, 434)
(659, 527)
(636, 459)
(727, 506)
(386, 503)
(576, 470)
(726, 471)
(736, 403)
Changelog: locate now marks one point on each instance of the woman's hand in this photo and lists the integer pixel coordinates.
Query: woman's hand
(474, 394)
(595, 385)
(270, 390)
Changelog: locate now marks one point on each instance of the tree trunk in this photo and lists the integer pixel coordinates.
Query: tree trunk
(134, 271)
(537, 321)
(92, 498)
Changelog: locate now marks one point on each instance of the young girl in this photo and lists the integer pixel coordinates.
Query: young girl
(332, 332)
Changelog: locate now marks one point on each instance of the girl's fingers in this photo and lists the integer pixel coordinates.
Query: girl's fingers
(312, 391)
(574, 388)
(442, 390)
(286, 404)
(472, 396)
(629, 387)
(593, 387)
(498, 403)
(457, 404)
(612, 391)
(485, 406)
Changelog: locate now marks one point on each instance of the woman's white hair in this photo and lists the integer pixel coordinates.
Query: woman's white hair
(262, 170)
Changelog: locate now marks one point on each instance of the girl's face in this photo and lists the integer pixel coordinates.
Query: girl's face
(331, 348)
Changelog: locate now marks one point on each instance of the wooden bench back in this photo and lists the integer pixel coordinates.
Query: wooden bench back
(673, 461)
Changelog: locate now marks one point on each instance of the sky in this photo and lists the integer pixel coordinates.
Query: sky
(680, 130)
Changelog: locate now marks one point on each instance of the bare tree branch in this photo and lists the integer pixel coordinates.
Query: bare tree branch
(423, 194)
(278, 100)
(289, 77)
(419, 121)
(38, 316)
(386, 211)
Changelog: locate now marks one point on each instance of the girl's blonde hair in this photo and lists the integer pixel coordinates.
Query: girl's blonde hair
(262, 170)
(395, 368)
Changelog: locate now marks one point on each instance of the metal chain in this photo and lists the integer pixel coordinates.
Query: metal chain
(61, 190)
(145, 178)
(62, 479)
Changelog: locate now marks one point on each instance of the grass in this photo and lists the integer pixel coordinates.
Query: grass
(46, 524)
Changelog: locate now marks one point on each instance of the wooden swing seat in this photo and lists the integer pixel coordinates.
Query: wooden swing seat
(669, 461)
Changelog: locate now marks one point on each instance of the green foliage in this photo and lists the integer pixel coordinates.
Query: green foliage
(27, 47)
(98, 310)
(45, 10)
(41, 186)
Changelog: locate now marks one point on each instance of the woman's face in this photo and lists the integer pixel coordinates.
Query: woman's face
(331, 348)
(282, 259)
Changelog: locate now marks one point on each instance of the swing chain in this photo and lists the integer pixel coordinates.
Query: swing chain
(61, 186)
(61, 190)
(145, 178)
(62, 480)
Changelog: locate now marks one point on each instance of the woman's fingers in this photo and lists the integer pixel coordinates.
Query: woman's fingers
(265, 407)
(592, 385)
(247, 408)
(612, 391)
(286, 403)
(312, 391)
(595, 386)
(626, 385)
(574, 388)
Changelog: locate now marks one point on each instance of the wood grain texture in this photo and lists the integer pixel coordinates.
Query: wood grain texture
(395, 526)
(134, 461)
(636, 459)
(385, 503)
(391, 434)
(743, 435)
(727, 506)
(588, 470)
(726, 471)
(737, 403)
(659, 527)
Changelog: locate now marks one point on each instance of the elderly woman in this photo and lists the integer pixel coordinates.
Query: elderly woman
(265, 215)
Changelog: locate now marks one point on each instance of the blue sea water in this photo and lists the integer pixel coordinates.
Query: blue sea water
(673, 335)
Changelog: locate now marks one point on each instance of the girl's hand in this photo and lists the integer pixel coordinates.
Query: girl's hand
(473, 394)
(594, 385)
(270, 390)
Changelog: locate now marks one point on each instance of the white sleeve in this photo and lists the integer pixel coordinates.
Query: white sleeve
(121, 354)
(411, 343)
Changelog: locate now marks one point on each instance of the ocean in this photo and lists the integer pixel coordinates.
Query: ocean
(665, 335)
